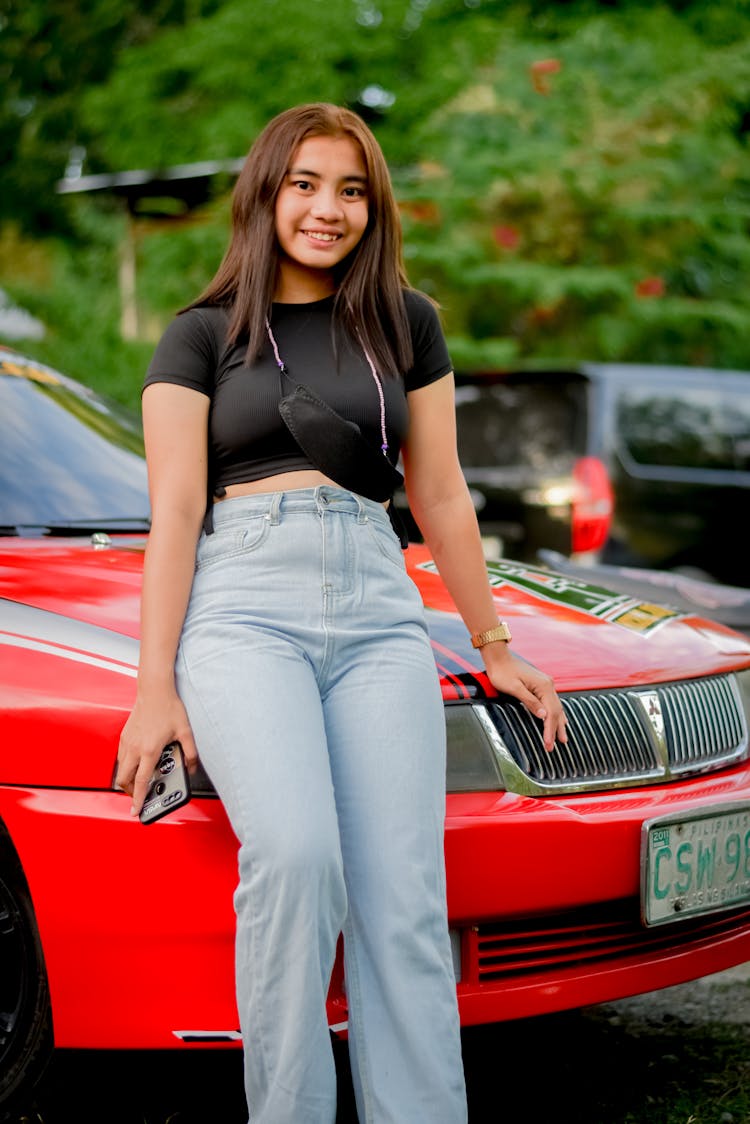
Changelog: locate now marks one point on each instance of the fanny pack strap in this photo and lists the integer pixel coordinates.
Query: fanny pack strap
(284, 370)
(399, 527)
(287, 413)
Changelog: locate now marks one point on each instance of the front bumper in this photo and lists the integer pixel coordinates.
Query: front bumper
(543, 894)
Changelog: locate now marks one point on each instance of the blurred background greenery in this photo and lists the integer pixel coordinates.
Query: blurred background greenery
(574, 177)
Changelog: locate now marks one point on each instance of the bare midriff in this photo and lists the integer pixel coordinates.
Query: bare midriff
(281, 482)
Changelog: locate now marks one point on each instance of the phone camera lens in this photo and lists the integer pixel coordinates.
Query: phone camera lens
(160, 787)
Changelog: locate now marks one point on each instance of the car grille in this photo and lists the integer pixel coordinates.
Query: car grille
(494, 952)
(625, 736)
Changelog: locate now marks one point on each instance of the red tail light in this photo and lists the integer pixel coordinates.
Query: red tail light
(593, 504)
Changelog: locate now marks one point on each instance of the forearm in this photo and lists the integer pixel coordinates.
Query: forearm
(167, 580)
(175, 423)
(450, 530)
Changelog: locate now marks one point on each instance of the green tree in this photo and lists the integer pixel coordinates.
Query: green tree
(50, 52)
(574, 176)
(590, 195)
(205, 90)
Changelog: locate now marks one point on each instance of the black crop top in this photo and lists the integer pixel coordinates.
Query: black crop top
(247, 437)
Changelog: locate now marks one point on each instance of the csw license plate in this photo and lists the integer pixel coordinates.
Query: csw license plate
(694, 864)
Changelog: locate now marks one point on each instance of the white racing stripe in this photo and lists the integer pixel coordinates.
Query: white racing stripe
(38, 630)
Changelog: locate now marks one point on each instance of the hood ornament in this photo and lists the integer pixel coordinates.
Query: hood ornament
(651, 706)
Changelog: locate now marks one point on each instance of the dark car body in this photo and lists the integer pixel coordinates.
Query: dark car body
(628, 464)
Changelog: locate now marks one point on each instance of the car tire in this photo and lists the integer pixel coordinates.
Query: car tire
(26, 1038)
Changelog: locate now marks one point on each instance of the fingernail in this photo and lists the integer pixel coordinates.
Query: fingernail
(133, 810)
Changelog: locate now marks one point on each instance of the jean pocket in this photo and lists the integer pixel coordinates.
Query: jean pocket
(386, 541)
(231, 542)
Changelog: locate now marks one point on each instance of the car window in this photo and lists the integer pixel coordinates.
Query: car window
(66, 454)
(529, 422)
(696, 427)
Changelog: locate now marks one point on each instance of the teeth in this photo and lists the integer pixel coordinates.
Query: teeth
(320, 236)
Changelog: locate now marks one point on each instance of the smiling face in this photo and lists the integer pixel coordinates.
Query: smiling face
(321, 215)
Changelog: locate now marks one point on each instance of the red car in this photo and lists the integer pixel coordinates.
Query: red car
(615, 865)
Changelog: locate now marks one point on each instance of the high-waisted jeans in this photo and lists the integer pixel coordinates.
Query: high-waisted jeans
(310, 685)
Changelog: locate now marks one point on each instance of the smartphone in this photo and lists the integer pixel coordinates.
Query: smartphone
(169, 787)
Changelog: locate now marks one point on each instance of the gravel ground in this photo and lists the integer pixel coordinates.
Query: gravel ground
(721, 998)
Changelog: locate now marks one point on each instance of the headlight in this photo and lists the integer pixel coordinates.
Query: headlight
(472, 764)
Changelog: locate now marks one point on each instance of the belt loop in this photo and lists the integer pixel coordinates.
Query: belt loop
(322, 499)
(361, 509)
(273, 515)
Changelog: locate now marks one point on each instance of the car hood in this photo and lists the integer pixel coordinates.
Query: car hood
(583, 635)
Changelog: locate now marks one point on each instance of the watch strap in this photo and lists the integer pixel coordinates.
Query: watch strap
(499, 632)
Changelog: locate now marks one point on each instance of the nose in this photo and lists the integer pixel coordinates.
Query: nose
(326, 205)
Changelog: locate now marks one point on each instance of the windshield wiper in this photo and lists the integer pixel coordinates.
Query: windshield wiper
(72, 528)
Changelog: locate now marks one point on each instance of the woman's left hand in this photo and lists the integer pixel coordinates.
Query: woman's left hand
(533, 688)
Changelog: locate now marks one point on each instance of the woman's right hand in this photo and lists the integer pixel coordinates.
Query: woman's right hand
(152, 725)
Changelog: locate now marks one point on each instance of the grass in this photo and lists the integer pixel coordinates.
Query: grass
(599, 1067)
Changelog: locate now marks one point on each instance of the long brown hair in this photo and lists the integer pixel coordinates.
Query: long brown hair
(369, 301)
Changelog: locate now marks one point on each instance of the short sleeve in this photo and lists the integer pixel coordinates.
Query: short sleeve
(431, 358)
(186, 354)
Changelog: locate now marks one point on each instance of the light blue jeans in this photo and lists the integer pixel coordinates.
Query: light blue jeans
(313, 695)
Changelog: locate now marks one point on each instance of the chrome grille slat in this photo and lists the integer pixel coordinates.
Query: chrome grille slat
(700, 726)
(716, 723)
(583, 727)
(527, 746)
(623, 736)
(726, 714)
(615, 731)
(587, 742)
(675, 723)
(611, 721)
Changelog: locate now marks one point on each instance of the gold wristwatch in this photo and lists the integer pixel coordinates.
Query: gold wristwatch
(499, 632)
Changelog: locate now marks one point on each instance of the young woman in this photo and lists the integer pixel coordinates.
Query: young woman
(282, 639)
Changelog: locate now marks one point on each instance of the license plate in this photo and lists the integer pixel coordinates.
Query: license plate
(695, 864)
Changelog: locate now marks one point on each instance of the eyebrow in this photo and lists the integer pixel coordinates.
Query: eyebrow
(316, 175)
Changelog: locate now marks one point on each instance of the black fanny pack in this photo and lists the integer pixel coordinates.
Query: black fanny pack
(336, 446)
(338, 449)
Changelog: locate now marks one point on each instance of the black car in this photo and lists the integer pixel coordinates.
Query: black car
(629, 465)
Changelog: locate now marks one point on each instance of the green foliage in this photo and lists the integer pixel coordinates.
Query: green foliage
(50, 52)
(176, 261)
(597, 204)
(204, 91)
(76, 297)
(575, 177)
